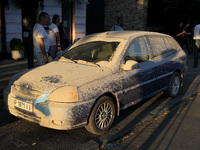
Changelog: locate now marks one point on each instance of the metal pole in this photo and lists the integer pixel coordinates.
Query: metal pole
(30, 55)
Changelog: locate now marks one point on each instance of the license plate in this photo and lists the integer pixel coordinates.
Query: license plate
(23, 105)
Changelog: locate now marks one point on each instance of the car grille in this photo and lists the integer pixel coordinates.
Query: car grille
(25, 93)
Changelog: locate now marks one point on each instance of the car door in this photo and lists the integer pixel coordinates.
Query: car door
(139, 83)
(163, 59)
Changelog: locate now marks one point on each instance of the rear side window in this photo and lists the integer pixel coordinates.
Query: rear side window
(138, 51)
(172, 44)
(157, 45)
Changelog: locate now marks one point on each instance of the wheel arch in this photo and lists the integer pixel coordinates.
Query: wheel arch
(114, 98)
(181, 75)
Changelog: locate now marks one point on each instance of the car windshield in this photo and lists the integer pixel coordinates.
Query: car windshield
(91, 52)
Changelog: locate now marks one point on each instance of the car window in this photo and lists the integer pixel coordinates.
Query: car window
(173, 45)
(138, 51)
(92, 51)
(167, 44)
(157, 45)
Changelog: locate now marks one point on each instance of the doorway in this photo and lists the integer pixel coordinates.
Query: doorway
(95, 17)
(67, 18)
(29, 19)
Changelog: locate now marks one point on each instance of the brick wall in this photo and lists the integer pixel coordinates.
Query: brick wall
(134, 13)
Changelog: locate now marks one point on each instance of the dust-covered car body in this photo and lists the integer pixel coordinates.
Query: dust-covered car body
(63, 93)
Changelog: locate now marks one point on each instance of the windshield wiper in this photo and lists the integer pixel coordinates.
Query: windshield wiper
(67, 59)
(87, 63)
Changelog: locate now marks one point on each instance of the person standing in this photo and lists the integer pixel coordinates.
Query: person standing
(56, 19)
(185, 37)
(63, 37)
(119, 25)
(180, 33)
(54, 37)
(40, 39)
(197, 44)
(197, 35)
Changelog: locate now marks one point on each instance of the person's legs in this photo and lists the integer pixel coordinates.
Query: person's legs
(187, 47)
(196, 52)
(52, 51)
(186, 44)
(39, 57)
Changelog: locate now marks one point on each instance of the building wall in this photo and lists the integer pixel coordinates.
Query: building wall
(13, 24)
(14, 20)
(134, 13)
(52, 7)
(80, 19)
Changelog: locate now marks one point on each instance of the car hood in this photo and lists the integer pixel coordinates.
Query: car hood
(57, 74)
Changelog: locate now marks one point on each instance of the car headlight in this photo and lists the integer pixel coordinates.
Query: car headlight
(64, 94)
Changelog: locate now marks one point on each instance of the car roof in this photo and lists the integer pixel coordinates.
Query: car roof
(125, 34)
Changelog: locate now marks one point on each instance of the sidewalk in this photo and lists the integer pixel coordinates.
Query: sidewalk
(177, 130)
(8, 68)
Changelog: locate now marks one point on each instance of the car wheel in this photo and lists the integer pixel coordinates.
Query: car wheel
(102, 116)
(174, 85)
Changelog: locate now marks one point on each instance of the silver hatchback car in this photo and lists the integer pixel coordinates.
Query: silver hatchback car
(101, 74)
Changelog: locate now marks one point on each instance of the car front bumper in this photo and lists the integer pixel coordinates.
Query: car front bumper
(61, 116)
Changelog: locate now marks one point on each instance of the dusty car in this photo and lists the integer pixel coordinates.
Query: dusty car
(101, 74)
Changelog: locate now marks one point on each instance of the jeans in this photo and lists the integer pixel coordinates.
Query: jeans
(53, 51)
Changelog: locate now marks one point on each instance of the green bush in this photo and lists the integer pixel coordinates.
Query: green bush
(16, 44)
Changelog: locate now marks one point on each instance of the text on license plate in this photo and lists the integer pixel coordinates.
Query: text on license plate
(23, 105)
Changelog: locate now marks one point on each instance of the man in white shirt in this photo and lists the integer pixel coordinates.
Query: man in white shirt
(197, 44)
(54, 39)
(40, 39)
(119, 25)
(197, 35)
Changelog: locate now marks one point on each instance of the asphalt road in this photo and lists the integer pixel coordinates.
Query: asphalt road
(177, 130)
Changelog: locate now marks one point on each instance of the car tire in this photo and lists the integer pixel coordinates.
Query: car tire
(174, 85)
(102, 116)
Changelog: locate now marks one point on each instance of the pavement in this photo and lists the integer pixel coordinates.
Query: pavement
(176, 130)
(8, 68)
(138, 115)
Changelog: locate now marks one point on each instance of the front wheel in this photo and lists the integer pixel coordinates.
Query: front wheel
(102, 116)
(174, 85)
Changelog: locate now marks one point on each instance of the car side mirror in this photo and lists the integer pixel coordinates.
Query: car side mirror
(130, 65)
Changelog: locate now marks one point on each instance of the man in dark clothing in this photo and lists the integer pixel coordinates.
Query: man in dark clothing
(182, 37)
(179, 33)
(185, 37)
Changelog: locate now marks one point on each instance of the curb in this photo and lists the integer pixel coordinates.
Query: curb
(106, 138)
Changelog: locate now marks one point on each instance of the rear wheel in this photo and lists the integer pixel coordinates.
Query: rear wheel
(174, 85)
(102, 116)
